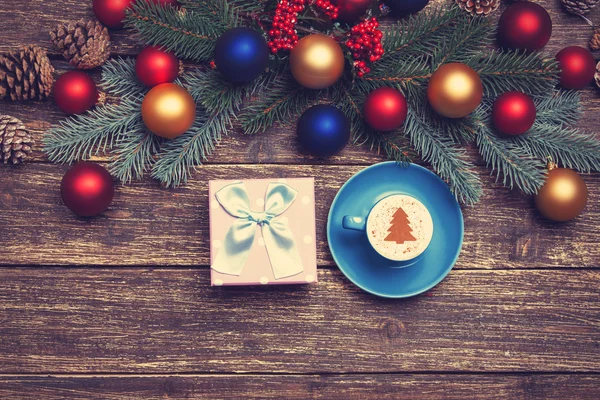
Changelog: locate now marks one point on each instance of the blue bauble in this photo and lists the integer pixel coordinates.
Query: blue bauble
(241, 55)
(323, 130)
(405, 7)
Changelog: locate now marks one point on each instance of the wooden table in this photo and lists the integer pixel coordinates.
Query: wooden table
(120, 306)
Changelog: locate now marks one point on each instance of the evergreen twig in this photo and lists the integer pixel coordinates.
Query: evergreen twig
(414, 49)
(447, 160)
(509, 162)
(189, 34)
(83, 136)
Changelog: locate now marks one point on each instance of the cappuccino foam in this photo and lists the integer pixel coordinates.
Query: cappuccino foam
(400, 227)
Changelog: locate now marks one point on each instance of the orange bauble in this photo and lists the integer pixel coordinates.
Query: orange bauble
(317, 61)
(563, 196)
(455, 90)
(168, 110)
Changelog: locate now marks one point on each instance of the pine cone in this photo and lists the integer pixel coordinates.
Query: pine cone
(579, 7)
(15, 140)
(597, 75)
(26, 74)
(595, 40)
(85, 44)
(479, 7)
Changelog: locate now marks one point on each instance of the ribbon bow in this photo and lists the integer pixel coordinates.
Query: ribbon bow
(278, 237)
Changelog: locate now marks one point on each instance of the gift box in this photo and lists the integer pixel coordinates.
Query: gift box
(262, 232)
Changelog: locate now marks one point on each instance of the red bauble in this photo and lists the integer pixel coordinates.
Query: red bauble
(154, 66)
(385, 109)
(513, 113)
(111, 12)
(524, 26)
(351, 10)
(578, 67)
(75, 92)
(87, 189)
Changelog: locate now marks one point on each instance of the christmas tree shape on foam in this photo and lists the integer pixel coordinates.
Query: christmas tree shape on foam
(400, 231)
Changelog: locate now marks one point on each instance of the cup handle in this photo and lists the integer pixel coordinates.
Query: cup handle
(354, 223)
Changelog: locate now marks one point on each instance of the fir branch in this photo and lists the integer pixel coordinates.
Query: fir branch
(567, 147)
(188, 34)
(254, 7)
(213, 92)
(133, 153)
(119, 78)
(180, 155)
(509, 161)
(558, 108)
(415, 70)
(505, 71)
(416, 35)
(83, 136)
(284, 98)
(467, 38)
(448, 161)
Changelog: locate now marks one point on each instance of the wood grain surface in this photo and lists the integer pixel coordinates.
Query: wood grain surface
(73, 320)
(119, 306)
(305, 387)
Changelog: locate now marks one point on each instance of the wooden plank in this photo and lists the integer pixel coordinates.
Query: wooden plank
(69, 320)
(29, 23)
(303, 387)
(150, 225)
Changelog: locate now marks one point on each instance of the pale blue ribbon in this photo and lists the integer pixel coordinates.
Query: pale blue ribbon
(278, 237)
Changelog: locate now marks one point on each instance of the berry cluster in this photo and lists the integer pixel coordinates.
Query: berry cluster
(283, 35)
(365, 43)
(329, 9)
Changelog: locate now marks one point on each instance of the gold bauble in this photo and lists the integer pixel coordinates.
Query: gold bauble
(563, 196)
(168, 110)
(455, 90)
(317, 61)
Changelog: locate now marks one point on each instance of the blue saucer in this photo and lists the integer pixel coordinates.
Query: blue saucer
(357, 259)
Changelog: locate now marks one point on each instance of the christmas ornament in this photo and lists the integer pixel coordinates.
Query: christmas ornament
(563, 196)
(595, 40)
(85, 44)
(478, 7)
(75, 92)
(385, 109)
(154, 66)
(317, 61)
(26, 74)
(577, 67)
(87, 189)
(351, 10)
(323, 130)
(524, 26)
(15, 140)
(364, 41)
(168, 110)
(112, 13)
(513, 113)
(579, 7)
(404, 7)
(241, 55)
(597, 75)
(455, 90)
